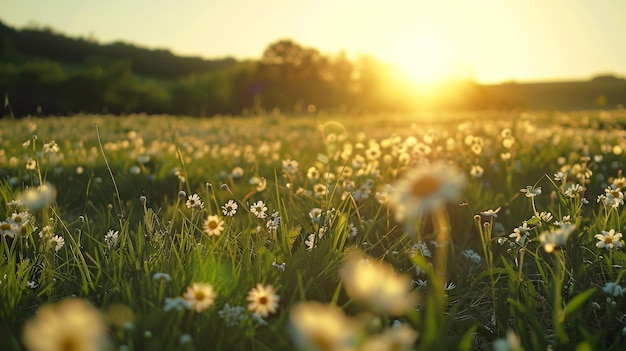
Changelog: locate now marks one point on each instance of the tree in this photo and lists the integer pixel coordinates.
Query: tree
(292, 76)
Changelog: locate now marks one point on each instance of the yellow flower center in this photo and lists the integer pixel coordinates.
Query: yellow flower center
(212, 225)
(323, 340)
(199, 295)
(425, 186)
(69, 343)
(608, 240)
(263, 300)
(5, 226)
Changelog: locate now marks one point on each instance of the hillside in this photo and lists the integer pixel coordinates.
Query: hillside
(600, 92)
(18, 46)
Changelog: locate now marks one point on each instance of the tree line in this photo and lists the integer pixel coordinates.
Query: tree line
(46, 73)
(43, 72)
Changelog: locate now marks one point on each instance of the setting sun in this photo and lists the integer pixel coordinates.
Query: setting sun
(421, 58)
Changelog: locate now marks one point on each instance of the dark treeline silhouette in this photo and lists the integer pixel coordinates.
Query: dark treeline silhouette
(46, 73)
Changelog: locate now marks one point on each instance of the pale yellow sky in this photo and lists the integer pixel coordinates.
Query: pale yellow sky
(488, 40)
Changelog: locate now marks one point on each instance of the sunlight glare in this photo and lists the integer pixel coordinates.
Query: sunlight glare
(422, 58)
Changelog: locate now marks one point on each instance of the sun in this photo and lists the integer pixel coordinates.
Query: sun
(421, 58)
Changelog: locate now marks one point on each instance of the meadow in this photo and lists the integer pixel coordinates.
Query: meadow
(486, 230)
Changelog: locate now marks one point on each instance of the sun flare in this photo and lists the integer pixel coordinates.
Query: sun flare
(421, 58)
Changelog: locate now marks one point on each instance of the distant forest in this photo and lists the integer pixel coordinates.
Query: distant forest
(46, 73)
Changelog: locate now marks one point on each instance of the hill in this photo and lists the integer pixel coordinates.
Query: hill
(605, 91)
(18, 46)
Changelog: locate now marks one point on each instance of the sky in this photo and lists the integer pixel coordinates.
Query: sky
(490, 41)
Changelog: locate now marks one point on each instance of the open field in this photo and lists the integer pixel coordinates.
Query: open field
(446, 231)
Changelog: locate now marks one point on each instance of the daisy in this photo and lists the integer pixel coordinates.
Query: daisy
(290, 166)
(111, 238)
(315, 214)
(555, 238)
(312, 173)
(35, 199)
(213, 225)
(51, 147)
(31, 164)
(400, 338)
(19, 219)
(14, 204)
(609, 240)
(420, 150)
(58, 242)
(237, 172)
(376, 284)
(194, 201)
(263, 300)
(8, 229)
(319, 327)
(384, 195)
(200, 296)
(477, 171)
(425, 188)
(320, 190)
(372, 153)
(71, 324)
(508, 142)
(259, 209)
(46, 232)
(230, 208)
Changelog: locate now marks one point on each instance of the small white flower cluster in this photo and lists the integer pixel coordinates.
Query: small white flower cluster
(420, 248)
(473, 256)
(232, 315)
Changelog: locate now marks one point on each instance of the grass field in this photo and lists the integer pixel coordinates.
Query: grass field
(444, 231)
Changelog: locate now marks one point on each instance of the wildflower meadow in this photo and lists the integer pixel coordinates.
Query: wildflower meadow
(468, 231)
